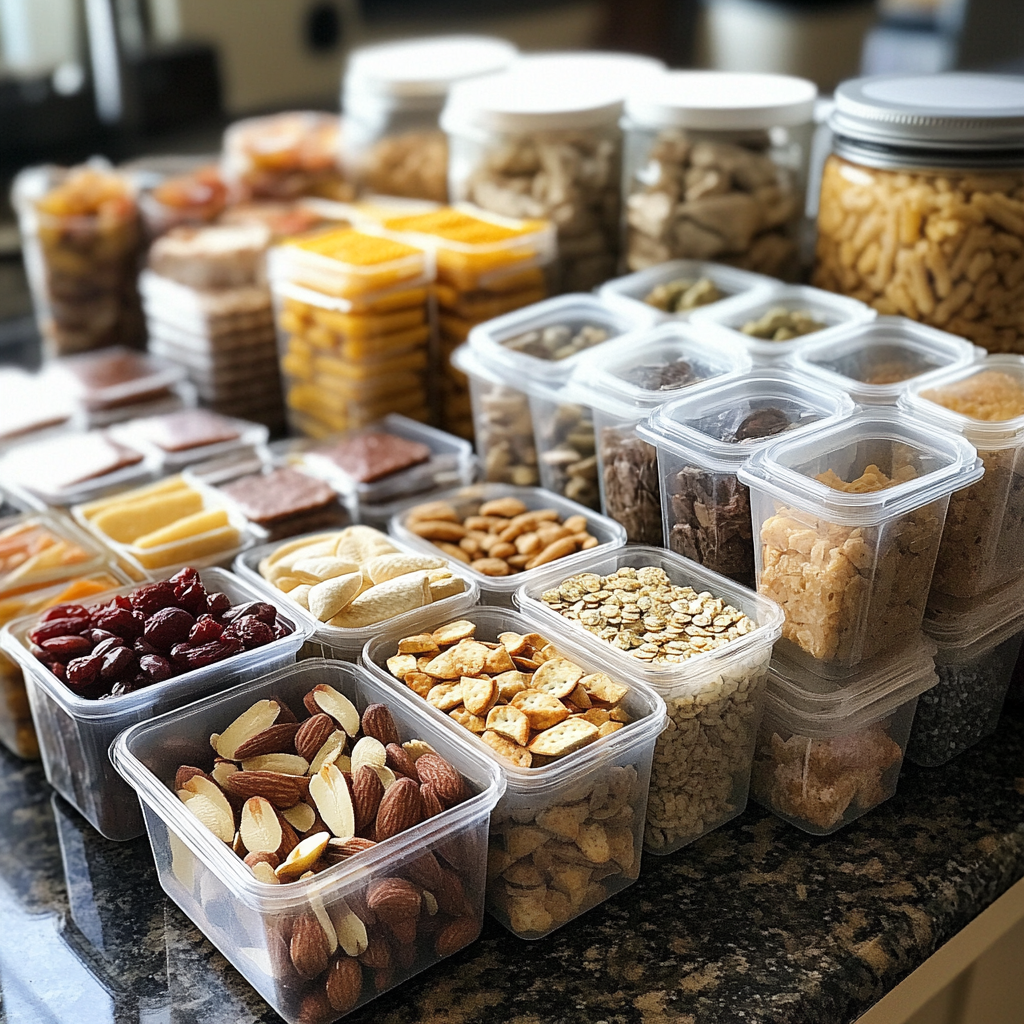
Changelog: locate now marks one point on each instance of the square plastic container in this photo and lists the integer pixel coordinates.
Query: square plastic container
(30, 410)
(828, 754)
(249, 921)
(983, 540)
(622, 384)
(537, 814)
(701, 772)
(500, 590)
(704, 437)
(978, 642)
(875, 362)
(727, 319)
(56, 550)
(852, 569)
(75, 733)
(347, 644)
(631, 291)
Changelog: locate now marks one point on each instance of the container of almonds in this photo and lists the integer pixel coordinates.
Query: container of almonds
(574, 744)
(504, 535)
(323, 893)
(772, 326)
(698, 640)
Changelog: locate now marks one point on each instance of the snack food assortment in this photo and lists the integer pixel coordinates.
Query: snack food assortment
(195, 197)
(192, 434)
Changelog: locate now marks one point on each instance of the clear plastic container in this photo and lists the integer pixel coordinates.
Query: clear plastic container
(704, 437)
(499, 590)
(534, 882)
(828, 754)
(983, 540)
(37, 548)
(978, 644)
(28, 409)
(852, 567)
(736, 317)
(878, 361)
(185, 197)
(75, 733)
(249, 921)
(716, 169)
(661, 287)
(622, 384)
(701, 772)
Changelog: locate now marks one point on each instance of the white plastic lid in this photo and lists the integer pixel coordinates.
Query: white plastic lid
(722, 101)
(620, 71)
(425, 67)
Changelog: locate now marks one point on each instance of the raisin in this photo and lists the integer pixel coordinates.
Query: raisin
(187, 657)
(67, 626)
(168, 627)
(64, 648)
(281, 631)
(97, 636)
(117, 663)
(122, 687)
(122, 622)
(143, 646)
(207, 628)
(83, 672)
(102, 649)
(258, 609)
(193, 599)
(250, 631)
(151, 599)
(155, 668)
(183, 579)
(217, 604)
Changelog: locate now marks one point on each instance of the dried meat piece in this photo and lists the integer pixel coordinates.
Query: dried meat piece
(375, 454)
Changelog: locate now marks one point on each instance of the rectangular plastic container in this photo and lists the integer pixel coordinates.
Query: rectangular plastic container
(347, 644)
(534, 883)
(62, 551)
(701, 772)
(727, 319)
(250, 921)
(828, 754)
(29, 410)
(876, 361)
(978, 643)
(499, 590)
(852, 570)
(621, 385)
(983, 541)
(75, 733)
(704, 437)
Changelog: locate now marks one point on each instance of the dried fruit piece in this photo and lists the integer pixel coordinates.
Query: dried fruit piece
(259, 827)
(330, 793)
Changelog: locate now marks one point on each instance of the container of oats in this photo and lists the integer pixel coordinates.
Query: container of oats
(574, 744)
(621, 385)
(704, 437)
(983, 539)
(828, 753)
(392, 97)
(922, 202)
(877, 361)
(700, 641)
(847, 522)
(716, 169)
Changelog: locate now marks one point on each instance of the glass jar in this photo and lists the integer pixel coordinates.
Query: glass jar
(922, 202)
(716, 169)
(392, 99)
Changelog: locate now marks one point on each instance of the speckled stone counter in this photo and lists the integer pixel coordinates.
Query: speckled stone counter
(755, 923)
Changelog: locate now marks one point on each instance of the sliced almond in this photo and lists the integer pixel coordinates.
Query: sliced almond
(284, 764)
(349, 928)
(262, 715)
(338, 706)
(302, 857)
(199, 784)
(300, 817)
(212, 816)
(479, 695)
(222, 769)
(260, 828)
(385, 774)
(265, 873)
(417, 748)
(368, 751)
(330, 793)
(329, 752)
(510, 722)
(320, 912)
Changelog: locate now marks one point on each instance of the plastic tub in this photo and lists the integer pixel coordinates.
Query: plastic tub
(537, 811)
(56, 549)
(828, 754)
(852, 570)
(727, 319)
(249, 920)
(701, 772)
(878, 361)
(702, 440)
(622, 384)
(75, 733)
(983, 540)
(499, 590)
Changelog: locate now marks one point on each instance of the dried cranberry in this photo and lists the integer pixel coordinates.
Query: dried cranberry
(83, 672)
(281, 631)
(121, 622)
(64, 648)
(207, 628)
(250, 631)
(168, 627)
(102, 649)
(183, 579)
(155, 668)
(117, 663)
(217, 604)
(57, 669)
(64, 611)
(66, 626)
(122, 687)
(193, 599)
(97, 636)
(187, 657)
(143, 646)
(154, 597)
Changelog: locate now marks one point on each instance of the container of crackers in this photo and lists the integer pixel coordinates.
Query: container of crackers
(574, 742)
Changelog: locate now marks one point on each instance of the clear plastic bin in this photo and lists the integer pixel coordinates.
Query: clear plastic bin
(704, 437)
(878, 361)
(728, 319)
(75, 734)
(828, 754)
(852, 570)
(249, 921)
(535, 884)
(701, 772)
(55, 549)
(113, 378)
(499, 590)
(622, 384)
(28, 409)
(983, 540)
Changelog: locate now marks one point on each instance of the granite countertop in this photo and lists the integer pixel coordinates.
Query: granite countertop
(757, 922)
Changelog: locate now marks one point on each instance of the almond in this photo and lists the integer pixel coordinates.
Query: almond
(350, 930)
(456, 934)
(404, 933)
(367, 791)
(431, 801)
(315, 1008)
(378, 723)
(400, 762)
(289, 840)
(377, 953)
(337, 705)
(270, 859)
(312, 734)
(368, 751)
(401, 808)
(284, 764)
(393, 900)
(308, 947)
(210, 814)
(278, 739)
(451, 896)
(281, 790)
(263, 872)
(425, 871)
(222, 769)
(262, 715)
(301, 817)
(303, 857)
(434, 769)
(330, 752)
(344, 983)
(260, 828)
(341, 849)
(330, 793)
(202, 785)
(184, 773)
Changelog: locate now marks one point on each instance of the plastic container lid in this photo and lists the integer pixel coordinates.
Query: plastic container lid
(877, 361)
(113, 377)
(607, 68)
(722, 101)
(28, 407)
(787, 467)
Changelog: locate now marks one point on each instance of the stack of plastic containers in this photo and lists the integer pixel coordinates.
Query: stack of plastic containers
(355, 332)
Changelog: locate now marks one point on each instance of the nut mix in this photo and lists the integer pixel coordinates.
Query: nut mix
(569, 453)
(684, 294)
(781, 324)
(529, 704)
(156, 632)
(504, 431)
(557, 341)
(501, 537)
(413, 164)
